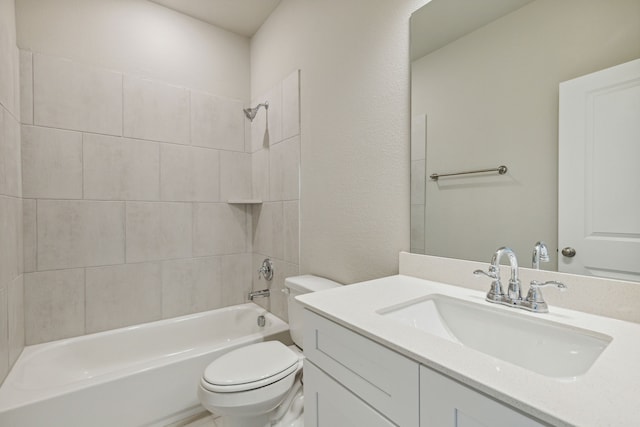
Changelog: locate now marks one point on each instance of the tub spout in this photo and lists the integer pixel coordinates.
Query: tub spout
(259, 294)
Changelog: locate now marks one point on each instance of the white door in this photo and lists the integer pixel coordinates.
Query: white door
(599, 174)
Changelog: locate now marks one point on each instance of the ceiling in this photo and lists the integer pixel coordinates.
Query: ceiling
(440, 22)
(242, 17)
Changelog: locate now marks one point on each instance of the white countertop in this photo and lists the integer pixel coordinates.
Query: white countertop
(607, 395)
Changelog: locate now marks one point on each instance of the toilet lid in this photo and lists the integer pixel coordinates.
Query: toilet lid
(256, 363)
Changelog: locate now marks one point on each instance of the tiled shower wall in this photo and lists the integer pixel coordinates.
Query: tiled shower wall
(275, 156)
(11, 277)
(125, 187)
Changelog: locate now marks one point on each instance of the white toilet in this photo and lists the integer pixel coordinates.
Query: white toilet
(259, 385)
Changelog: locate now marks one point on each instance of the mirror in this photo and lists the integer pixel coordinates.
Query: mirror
(484, 93)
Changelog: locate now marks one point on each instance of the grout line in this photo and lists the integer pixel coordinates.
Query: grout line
(82, 162)
(33, 89)
(124, 225)
(36, 237)
(84, 329)
(123, 103)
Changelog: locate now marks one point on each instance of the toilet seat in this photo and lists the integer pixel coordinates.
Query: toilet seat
(250, 367)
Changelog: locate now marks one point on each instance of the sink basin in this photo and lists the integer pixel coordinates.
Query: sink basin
(545, 347)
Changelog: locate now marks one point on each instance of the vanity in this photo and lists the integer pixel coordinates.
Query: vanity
(410, 351)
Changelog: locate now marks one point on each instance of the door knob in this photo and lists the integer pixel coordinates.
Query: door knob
(569, 252)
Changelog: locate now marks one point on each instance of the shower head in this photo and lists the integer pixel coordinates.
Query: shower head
(251, 112)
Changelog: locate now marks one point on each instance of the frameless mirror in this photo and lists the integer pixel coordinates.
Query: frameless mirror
(484, 93)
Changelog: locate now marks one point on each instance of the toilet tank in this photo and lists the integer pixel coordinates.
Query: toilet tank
(299, 285)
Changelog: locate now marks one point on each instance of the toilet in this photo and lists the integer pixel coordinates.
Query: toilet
(259, 385)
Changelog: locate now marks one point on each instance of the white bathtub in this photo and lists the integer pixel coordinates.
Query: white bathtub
(144, 375)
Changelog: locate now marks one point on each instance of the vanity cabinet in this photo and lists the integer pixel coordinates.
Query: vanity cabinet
(447, 403)
(328, 404)
(347, 375)
(350, 380)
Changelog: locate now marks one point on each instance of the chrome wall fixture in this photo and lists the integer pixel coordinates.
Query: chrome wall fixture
(251, 112)
(500, 169)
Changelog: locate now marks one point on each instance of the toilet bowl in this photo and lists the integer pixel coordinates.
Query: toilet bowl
(259, 385)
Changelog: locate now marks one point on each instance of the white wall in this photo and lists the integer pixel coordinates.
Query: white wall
(491, 98)
(138, 37)
(354, 88)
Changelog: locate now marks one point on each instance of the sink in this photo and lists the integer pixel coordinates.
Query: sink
(548, 348)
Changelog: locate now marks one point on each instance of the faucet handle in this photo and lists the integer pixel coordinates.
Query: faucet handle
(534, 298)
(495, 294)
(491, 274)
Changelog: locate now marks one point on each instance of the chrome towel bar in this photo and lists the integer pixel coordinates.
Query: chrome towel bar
(500, 169)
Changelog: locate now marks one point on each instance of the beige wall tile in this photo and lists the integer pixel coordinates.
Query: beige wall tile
(26, 87)
(16, 318)
(4, 332)
(279, 298)
(10, 162)
(52, 163)
(291, 220)
(235, 175)
(120, 168)
(158, 231)
(79, 233)
(9, 59)
(274, 115)
(216, 122)
(237, 273)
(10, 239)
(54, 305)
(417, 228)
(260, 137)
(156, 111)
(284, 170)
(260, 174)
(123, 295)
(189, 173)
(291, 105)
(190, 286)
(74, 96)
(268, 229)
(418, 182)
(29, 234)
(219, 229)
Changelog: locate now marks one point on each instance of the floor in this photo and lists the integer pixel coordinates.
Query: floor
(203, 419)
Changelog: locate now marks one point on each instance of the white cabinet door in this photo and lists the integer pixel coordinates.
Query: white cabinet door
(599, 194)
(328, 404)
(381, 377)
(447, 403)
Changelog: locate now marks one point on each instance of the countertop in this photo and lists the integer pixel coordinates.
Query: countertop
(608, 394)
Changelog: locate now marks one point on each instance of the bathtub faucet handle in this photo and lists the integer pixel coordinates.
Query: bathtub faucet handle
(266, 270)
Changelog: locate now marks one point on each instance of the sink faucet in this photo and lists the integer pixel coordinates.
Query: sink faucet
(534, 301)
(540, 254)
(514, 294)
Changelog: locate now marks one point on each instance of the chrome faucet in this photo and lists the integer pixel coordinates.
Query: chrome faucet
(496, 294)
(259, 294)
(540, 254)
(534, 301)
(266, 269)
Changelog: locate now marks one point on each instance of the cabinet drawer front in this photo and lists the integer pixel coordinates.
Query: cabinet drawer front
(328, 404)
(386, 380)
(445, 402)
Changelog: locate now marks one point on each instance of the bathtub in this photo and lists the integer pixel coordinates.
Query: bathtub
(143, 375)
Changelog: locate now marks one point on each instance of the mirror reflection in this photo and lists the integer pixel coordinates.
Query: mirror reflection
(485, 93)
